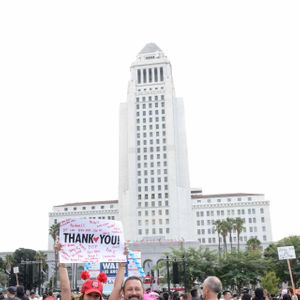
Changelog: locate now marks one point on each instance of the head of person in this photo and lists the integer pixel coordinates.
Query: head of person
(246, 297)
(194, 293)
(227, 295)
(211, 287)
(32, 295)
(133, 288)
(20, 291)
(259, 293)
(92, 288)
(11, 292)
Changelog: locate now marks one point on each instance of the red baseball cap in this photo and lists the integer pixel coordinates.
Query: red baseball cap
(92, 286)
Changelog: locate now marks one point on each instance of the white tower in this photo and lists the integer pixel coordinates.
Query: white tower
(154, 190)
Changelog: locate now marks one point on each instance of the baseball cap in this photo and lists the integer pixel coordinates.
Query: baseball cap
(12, 289)
(92, 286)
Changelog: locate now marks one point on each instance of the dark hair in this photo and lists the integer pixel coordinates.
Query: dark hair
(194, 292)
(132, 278)
(259, 293)
(20, 290)
(246, 297)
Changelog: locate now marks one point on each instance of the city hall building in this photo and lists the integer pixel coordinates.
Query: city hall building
(156, 204)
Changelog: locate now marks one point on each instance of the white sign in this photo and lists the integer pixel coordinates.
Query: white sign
(16, 270)
(287, 252)
(85, 240)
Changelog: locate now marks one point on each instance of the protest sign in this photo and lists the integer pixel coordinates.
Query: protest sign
(91, 241)
(286, 252)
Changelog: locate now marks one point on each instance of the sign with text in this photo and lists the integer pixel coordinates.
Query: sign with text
(287, 252)
(91, 241)
(111, 269)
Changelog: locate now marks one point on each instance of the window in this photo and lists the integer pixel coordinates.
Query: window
(150, 75)
(155, 75)
(161, 74)
(144, 75)
(139, 76)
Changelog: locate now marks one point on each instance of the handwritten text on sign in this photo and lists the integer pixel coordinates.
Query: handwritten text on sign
(287, 252)
(86, 240)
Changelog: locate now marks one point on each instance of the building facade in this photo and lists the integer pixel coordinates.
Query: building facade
(156, 205)
(154, 189)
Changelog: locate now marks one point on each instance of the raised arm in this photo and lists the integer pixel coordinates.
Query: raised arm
(116, 292)
(63, 277)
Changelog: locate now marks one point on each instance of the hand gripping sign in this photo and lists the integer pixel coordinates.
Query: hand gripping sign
(91, 241)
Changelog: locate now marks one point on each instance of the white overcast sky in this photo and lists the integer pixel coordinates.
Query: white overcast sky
(64, 70)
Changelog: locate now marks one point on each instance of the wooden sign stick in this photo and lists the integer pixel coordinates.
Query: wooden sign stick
(290, 271)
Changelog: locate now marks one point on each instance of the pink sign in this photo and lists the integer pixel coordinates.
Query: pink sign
(85, 240)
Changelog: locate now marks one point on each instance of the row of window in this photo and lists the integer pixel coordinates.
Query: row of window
(103, 218)
(150, 127)
(213, 240)
(153, 222)
(150, 103)
(151, 120)
(150, 112)
(154, 231)
(149, 90)
(151, 196)
(157, 142)
(220, 200)
(152, 172)
(152, 179)
(211, 222)
(213, 230)
(150, 75)
(147, 212)
(229, 212)
(153, 212)
(84, 207)
(151, 149)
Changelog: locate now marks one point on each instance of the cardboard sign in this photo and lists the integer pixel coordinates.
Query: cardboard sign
(91, 241)
(287, 252)
(16, 270)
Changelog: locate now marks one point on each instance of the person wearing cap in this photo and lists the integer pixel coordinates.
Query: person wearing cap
(11, 293)
(91, 289)
(227, 295)
(212, 286)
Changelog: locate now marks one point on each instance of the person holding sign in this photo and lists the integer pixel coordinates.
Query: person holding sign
(90, 290)
(132, 288)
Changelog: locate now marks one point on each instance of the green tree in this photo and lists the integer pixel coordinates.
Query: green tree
(280, 266)
(217, 228)
(230, 227)
(25, 260)
(41, 259)
(240, 269)
(270, 282)
(54, 233)
(253, 244)
(239, 227)
(224, 229)
(200, 263)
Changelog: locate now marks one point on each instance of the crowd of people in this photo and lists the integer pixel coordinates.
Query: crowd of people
(132, 288)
